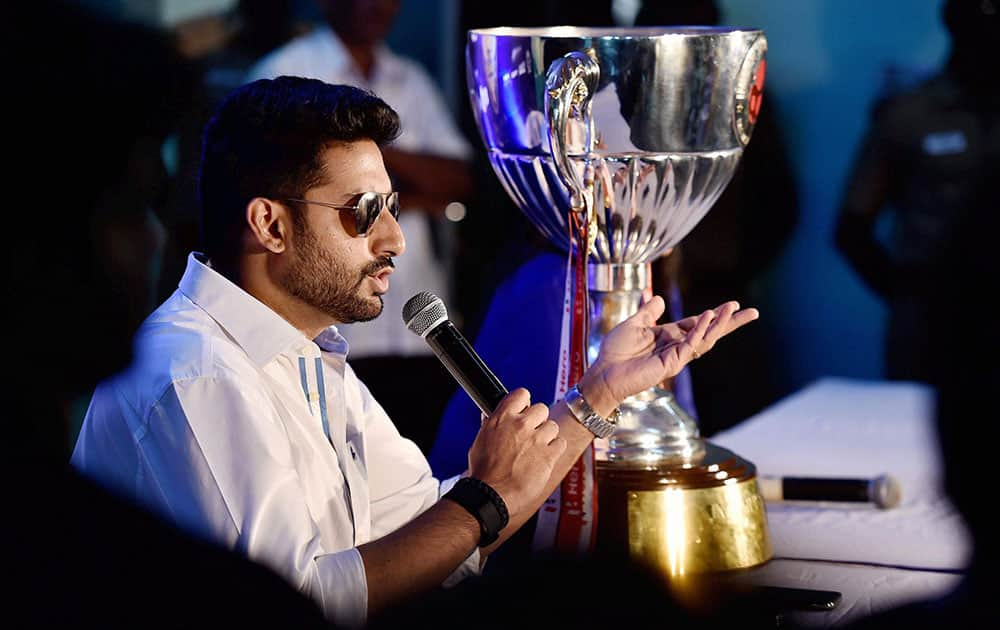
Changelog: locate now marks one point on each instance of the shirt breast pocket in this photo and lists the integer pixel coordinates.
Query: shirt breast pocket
(357, 470)
(356, 453)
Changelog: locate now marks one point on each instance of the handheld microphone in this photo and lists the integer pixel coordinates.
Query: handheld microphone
(884, 491)
(425, 315)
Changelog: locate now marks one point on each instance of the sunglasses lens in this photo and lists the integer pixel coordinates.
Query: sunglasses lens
(369, 206)
(392, 204)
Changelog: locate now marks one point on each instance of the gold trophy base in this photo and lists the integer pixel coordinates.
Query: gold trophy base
(684, 521)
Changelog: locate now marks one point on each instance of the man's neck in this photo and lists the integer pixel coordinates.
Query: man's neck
(362, 53)
(307, 319)
(968, 70)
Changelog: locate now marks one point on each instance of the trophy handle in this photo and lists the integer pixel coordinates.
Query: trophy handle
(570, 84)
(750, 89)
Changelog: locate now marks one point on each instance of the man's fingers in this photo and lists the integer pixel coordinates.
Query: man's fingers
(745, 316)
(687, 323)
(558, 445)
(701, 326)
(724, 319)
(517, 400)
(731, 305)
(688, 348)
(739, 316)
(536, 415)
(720, 325)
(548, 430)
(651, 311)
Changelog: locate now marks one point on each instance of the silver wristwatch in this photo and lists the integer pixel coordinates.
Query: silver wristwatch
(585, 414)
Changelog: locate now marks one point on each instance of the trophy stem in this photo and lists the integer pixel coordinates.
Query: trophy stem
(653, 429)
(670, 499)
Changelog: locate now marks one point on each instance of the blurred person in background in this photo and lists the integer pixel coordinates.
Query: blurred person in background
(99, 97)
(922, 162)
(966, 375)
(931, 158)
(220, 47)
(429, 167)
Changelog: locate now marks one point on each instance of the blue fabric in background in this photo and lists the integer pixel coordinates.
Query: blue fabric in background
(519, 341)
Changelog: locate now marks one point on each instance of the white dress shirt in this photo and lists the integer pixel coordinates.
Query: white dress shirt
(235, 426)
(427, 127)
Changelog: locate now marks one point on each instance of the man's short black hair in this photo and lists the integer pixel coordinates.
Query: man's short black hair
(266, 140)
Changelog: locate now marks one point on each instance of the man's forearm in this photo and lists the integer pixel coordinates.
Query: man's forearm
(418, 556)
(429, 176)
(577, 439)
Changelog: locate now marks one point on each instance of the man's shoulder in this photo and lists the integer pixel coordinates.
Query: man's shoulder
(299, 56)
(173, 353)
(181, 342)
(919, 103)
(407, 71)
(402, 62)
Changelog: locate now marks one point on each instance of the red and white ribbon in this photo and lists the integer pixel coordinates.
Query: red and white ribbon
(567, 520)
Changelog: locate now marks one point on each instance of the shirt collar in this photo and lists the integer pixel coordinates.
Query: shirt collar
(330, 340)
(340, 58)
(262, 333)
(335, 52)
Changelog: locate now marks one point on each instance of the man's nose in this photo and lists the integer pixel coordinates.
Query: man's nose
(385, 236)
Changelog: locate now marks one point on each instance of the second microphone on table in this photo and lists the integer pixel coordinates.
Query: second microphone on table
(884, 491)
(425, 315)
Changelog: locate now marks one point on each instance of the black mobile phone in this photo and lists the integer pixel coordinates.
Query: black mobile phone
(783, 598)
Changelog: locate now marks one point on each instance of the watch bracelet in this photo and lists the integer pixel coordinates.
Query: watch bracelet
(593, 421)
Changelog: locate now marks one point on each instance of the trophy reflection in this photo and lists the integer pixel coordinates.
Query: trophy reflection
(634, 133)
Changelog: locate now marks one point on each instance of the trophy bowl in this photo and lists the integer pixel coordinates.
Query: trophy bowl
(638, 131)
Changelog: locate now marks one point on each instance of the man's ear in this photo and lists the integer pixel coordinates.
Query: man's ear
(269, 223)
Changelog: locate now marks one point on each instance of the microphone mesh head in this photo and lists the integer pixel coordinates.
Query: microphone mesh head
(887, 492)
(422, 311)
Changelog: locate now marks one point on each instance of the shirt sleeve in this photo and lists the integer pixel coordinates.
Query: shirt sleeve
(401, 485)
(220, 463)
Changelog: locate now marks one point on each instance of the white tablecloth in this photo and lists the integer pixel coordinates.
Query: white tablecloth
(877, 558)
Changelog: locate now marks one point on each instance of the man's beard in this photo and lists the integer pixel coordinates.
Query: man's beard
(319, 279)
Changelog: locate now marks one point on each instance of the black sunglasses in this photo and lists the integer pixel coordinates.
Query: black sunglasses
(366, 209)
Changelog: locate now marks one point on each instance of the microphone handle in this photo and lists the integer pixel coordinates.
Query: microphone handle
(464, 364)
(813, 489)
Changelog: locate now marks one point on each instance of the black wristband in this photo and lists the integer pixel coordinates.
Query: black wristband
(484, 503)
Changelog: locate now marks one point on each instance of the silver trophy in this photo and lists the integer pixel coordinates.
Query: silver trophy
(640, 130)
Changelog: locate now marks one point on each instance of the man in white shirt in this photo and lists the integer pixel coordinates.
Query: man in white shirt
(429, 167)
(240, 419)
